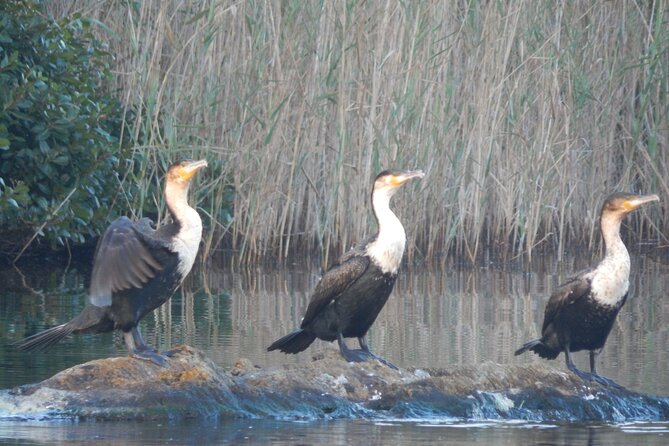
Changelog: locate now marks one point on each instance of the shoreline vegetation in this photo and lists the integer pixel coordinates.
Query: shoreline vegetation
(524, 116)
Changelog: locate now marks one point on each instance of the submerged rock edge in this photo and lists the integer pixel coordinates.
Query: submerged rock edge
(192, 386)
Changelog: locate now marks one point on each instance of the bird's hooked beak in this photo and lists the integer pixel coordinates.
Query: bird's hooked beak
(403, 177)
(638, 200)
(189, 169)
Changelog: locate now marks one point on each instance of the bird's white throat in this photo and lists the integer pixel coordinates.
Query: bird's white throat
(610, 280)
(388, 248)
(187, 241)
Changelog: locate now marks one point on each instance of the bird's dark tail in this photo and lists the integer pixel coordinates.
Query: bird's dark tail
(538, 347)
(45, 339)
(294, 342)
(91, 319)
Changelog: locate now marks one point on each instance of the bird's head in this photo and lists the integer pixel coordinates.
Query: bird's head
(621, 203)
(389, 181)
(182, 172)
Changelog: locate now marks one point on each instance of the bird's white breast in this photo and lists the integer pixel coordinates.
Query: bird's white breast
(186, 243)
(610, 281)
(388, 248)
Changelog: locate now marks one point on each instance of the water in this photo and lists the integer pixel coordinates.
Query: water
(338, 432)
(436, 317)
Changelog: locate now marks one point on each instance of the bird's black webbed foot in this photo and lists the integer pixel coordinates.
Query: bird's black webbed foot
(138, 349)
(349, 354)
(364, 347)
(149, 354)
(604, 381)
(172, 352)
(382, 361)
(585, 376)
(360, 355)
(593, 377)
(352, 355)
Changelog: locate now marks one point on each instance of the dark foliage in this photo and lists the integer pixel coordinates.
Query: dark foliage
(60, 151)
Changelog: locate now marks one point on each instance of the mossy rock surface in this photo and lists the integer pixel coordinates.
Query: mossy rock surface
(193, 386)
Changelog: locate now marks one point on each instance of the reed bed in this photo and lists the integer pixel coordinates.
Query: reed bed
(524, 116)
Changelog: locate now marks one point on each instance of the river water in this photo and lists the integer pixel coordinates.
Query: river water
(436, 317)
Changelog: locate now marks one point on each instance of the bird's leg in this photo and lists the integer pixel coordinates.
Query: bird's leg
(585, 376)
(348, 354)
(362, 340)
(597, 377)
(593, 361)
(129, 341)
(135, 344)
(139, 340)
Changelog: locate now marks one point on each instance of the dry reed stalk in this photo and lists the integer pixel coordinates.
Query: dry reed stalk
(523, 114)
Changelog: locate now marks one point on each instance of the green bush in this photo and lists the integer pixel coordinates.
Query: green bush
(59, 127)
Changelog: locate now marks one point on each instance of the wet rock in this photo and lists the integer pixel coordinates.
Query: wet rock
(191, 385)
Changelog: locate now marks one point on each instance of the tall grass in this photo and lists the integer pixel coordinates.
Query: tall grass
(523, 114)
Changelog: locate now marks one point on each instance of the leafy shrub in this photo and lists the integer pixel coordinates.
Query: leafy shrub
(59, 144)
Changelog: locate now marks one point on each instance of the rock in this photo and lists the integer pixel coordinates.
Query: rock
(192, 386)
(189, 386)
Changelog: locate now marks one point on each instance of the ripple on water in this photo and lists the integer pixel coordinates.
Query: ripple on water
(644, 428)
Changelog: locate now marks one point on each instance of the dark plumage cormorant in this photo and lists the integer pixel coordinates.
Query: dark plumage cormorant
(352, 292)
(580, 313)
(136, 269)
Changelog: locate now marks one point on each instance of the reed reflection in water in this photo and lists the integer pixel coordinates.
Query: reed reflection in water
(434, 318)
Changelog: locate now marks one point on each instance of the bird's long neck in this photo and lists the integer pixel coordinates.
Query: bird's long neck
(176, 198)
(615, 249)
(611, 278)
(187, 239)
(388, 247)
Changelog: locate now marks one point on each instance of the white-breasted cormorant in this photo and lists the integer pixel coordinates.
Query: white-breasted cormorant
(350, 295)
(580, 314)
(136, 269)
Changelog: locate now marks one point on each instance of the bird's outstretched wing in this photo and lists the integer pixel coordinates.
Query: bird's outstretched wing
(567, 294)
(122, 260)
(333, 283)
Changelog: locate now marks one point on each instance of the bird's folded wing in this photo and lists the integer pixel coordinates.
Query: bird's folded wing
(334, 282)
(574, 289)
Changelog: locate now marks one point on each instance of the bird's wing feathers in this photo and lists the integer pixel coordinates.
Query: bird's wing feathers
(357, 251)
(567, 294)
(122, 261)
(333, 283)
